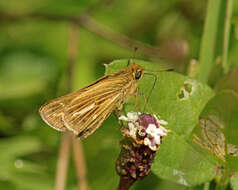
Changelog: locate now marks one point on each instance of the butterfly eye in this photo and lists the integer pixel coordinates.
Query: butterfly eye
(138, 75)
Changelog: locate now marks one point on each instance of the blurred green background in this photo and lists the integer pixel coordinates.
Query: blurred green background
(34, 58)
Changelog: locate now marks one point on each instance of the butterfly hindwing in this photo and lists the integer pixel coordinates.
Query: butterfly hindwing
(53, 111)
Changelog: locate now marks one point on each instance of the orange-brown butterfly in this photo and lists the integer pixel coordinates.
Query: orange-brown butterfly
(85, 110)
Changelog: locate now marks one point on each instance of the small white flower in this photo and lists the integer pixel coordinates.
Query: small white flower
(165, 131)
(124, 118)
(161, 122)
(152, 134)
(133, 116)
(152, 130)
(162, 131)
(132, 130)
(157, 140)
(156, 134)
(150, 143)
(147, 141)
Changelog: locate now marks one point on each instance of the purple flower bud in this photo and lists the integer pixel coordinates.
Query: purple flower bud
(146, 119)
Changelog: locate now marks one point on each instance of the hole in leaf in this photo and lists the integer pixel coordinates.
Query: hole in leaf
(185, 91)
(181, 95)
(188, 87)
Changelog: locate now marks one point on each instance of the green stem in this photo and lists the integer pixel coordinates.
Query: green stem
(192, 68)
(226, 37)
(206, 186)
(223, 182)
(207, 50)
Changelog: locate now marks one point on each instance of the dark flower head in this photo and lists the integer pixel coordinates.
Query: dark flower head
(145, 129)
(143, 134)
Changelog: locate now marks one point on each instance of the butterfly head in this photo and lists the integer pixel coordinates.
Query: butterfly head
(137, 71)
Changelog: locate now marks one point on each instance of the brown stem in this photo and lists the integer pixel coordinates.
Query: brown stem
(72, 53)
(62, 164)
(192, 68)
(80, 165)
(107, 33)
(77, 145)
(125, 183)
(93, 26)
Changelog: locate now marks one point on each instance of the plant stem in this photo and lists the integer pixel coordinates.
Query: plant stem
(93, 26)
(207, 50)
(72, 53)
(125, 184)
(226, 37)
(67, 138)
(193, 68)
(80, 165)
(77, 145)
(206, 186)
(62, 164)
(224, 181)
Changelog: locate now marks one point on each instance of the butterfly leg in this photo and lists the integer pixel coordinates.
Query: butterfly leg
(146, 105)
(136, 94)
(117, 113)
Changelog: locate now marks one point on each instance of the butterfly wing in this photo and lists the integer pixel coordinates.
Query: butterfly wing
(53, 111)
(88, 110)
(84, 111)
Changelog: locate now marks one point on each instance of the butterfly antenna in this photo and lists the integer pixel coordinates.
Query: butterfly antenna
(133, 57)
(154, 83)
(165, 70)
(128, 63)
(151, 73)
(134, 54)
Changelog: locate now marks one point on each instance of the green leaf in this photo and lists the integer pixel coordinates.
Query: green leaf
(219, 121)
(14, 168)
(23, 74)
(7, 185)
(223, 110)
(200, 187)
(228, 82)
(217, 130)
(6, 124)
(32, 181)
(13, 147)
(180, 162)
(178, 100)
(152, 182)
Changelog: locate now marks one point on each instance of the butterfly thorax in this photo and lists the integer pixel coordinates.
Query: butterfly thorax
(128, 76)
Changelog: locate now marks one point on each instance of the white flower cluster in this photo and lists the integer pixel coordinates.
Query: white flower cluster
(152, 133)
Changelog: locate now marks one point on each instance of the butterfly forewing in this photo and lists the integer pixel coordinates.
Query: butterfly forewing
(88, 110)
(85, 110)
